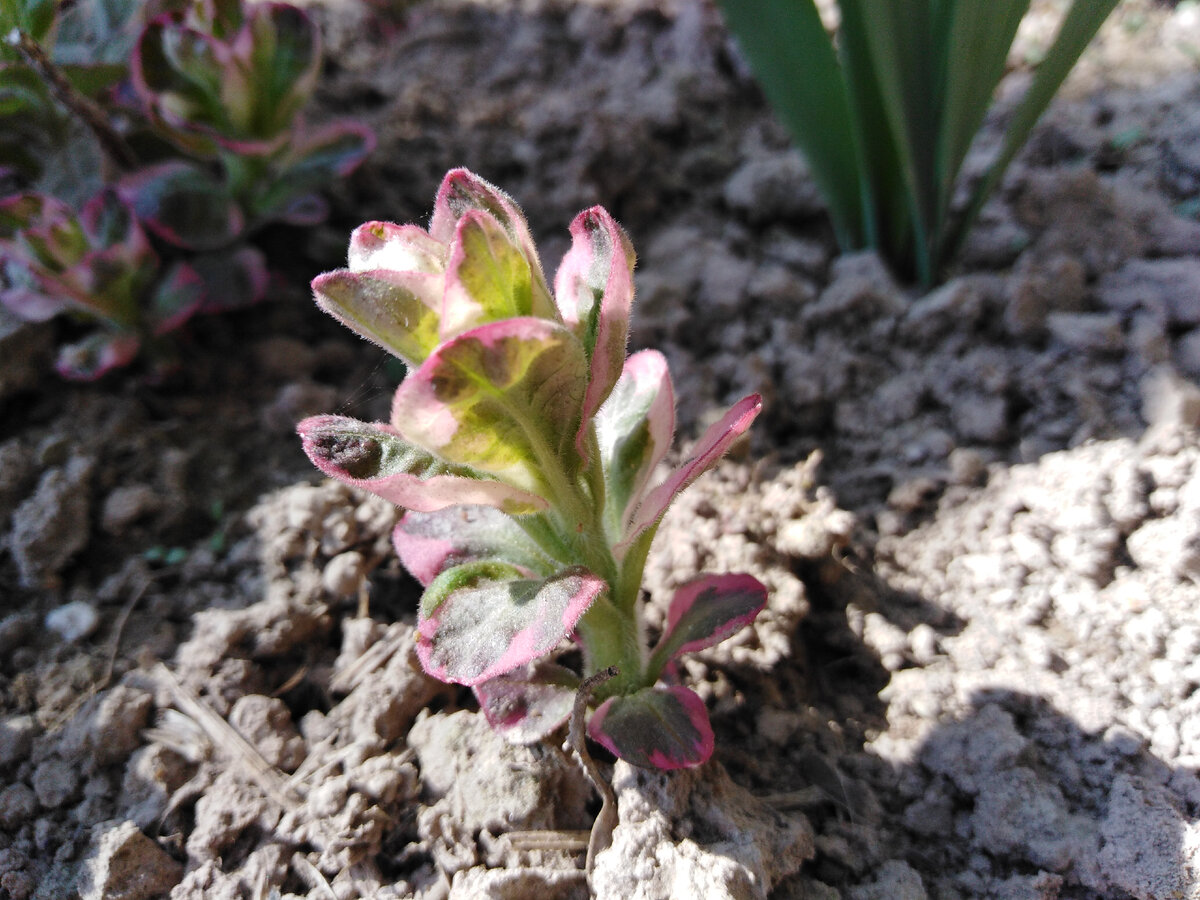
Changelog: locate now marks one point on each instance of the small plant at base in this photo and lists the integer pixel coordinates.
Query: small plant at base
(225, 81)
(98, 266)
(885, 118)
(522, 444)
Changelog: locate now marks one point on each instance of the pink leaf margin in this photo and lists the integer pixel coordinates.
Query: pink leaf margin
(537, 638)
(598, 242)
(693, 750)
(715, 442)
(407, 490)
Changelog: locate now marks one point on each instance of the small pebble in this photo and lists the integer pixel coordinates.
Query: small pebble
(73, 621)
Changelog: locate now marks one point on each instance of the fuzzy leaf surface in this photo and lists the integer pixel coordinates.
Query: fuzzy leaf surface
(430, 543)
(387, 307)
(635, 427)
(530, 702)
(707, 452)
(656, 728)
(487, 279)
(705, 611)
(463, 191)
(504, 398)
(484, 619)
(594, 293)
(376, 458)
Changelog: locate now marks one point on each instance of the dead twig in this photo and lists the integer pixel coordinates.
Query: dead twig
(227, 739)
(87, 110)
(606, 820)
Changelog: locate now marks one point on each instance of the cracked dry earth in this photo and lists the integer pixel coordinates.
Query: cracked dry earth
(977, 510)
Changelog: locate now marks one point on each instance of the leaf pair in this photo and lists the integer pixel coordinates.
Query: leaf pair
(663, 727)
(886, 119)
(99, 266)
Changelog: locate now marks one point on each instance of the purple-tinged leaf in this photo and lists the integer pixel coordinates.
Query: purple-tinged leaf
(529, 703)
(305, 210)
(308, 165)
(503, 398)
(487, 277)
(387, 307)
(634, 427)
(232, 280)
(332, 151)
(402, 248)
(594, 293)
(96, 354)
(463, 191)
(178, 296)
(656, 728)
(30, 303)
(704, 612)
(715, 442)
(376, 458)
(483, 619)
(108, 221)
(430, 543)
(184, 205)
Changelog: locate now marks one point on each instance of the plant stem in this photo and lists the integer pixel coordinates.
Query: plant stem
(90, 112)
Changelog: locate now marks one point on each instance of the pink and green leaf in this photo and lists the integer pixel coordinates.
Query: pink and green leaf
(704, 612)
(503, 398)
(634, 427)
(715, 442)
(232, 280)
(177, 297)
(530, 702)
(656, 728)
(483, 619)
(376, 458)
(487, 278)
(402, 248)
(430, 543)
(462, 192)
(184, 205)
(388, 307)
(594, 293)
(96, 354)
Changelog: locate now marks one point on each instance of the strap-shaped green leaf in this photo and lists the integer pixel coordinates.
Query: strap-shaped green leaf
(786, 44)
(504, 398)
(484, 619)
(977, 45)
(1078, 28)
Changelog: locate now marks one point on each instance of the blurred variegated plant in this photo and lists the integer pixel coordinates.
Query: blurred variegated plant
(522, 444)
(225, 81)
(886, 114)
(99, 267)
(87, 43)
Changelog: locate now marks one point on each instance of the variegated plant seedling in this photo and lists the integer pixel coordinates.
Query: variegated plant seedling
(522, 445)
